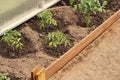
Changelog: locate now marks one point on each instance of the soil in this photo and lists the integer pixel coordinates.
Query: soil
(21, 62)
(99, 61)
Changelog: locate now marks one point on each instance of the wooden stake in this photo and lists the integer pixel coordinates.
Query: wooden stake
(41, 75)
(34, 72)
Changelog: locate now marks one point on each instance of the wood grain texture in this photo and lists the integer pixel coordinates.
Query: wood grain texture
(35, 71)
(58, 64)
(41, 74)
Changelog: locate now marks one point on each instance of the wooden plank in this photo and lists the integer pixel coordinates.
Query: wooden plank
(58, 64)
(41, 75)
(35, 71)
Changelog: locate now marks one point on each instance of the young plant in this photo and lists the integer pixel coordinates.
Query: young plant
(3, 76)
(46, 19)
(13, 38)
(55, 39)
(71, 2)
(88, 7)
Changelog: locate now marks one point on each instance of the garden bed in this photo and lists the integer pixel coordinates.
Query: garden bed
(20, 63)
(98, 61)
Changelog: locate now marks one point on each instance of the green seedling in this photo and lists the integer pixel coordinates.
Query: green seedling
(3, 76)
(13, 38)
(46, 19)
(88, 7)
(55, 39)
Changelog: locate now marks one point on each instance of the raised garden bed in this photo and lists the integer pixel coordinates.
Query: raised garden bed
(20, 63)
(98, 61)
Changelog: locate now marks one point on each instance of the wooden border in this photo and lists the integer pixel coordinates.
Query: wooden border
(64, 59)
(59, 63)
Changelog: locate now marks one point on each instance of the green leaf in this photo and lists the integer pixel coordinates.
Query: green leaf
(3, 76)
(50, 44)
(46, 19)
(54, 44)
(104, 3)
(88, 7)
(75, 7)
(71, 2)
(54, 39)
(12, 38)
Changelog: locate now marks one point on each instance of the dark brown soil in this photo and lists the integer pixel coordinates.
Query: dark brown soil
(21, 62)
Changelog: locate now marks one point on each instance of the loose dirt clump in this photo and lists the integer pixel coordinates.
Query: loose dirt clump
(65, 16)
(32, 36)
